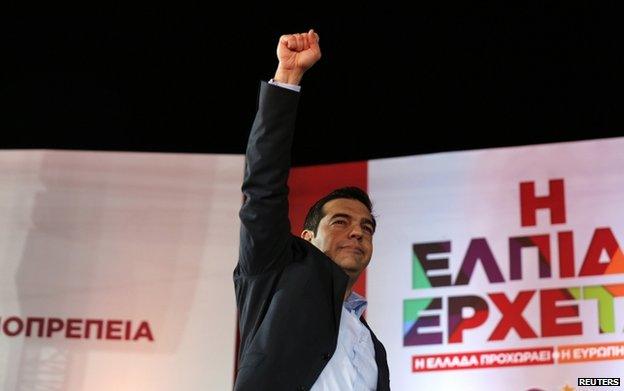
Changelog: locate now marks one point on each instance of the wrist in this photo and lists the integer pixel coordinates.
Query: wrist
(288, 76)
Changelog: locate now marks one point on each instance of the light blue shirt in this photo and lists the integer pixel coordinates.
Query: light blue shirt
(353, 366)
(289, 86)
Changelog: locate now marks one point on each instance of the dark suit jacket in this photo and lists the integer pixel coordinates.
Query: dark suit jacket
(289, 294)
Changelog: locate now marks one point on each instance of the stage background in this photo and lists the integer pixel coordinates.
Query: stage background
(151, 239)
(125, 237)
(473, 197)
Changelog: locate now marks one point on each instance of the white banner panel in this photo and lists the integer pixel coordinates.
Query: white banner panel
(500, 269)
(117, 270)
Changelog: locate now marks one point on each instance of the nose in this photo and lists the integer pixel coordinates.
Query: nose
(356, 232)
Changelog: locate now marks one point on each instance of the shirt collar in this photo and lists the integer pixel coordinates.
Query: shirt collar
(356, 304)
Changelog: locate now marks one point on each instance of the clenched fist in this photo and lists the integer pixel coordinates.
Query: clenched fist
(296, 54)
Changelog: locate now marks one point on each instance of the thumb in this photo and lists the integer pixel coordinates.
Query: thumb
(313, 37)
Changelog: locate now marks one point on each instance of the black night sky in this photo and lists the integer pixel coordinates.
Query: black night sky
(391, 82)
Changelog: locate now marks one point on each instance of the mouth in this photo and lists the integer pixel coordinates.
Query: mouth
(352, 249)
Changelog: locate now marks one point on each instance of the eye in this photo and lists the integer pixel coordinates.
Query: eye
(341, 222)
(368, 229)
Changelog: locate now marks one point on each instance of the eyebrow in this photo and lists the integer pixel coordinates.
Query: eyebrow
(346, 216)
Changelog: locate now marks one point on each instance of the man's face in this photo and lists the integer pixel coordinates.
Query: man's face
(345, 234)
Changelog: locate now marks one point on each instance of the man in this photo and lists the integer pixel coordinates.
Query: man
(300, 324)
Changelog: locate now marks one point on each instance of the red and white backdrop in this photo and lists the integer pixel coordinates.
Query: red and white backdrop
(117, 270)
(497, 268)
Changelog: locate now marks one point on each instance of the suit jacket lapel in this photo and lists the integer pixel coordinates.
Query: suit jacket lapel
(340, 287)
(383, 374)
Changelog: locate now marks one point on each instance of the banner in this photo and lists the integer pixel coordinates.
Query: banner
(500, 269)
(117, 270)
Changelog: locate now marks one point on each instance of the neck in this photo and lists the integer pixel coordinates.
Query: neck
(349, 289)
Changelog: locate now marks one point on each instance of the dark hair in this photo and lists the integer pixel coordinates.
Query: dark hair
(315, 214)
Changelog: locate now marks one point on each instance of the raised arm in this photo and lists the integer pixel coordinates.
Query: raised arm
(265, 228)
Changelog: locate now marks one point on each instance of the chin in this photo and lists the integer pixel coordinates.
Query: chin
(350, 266)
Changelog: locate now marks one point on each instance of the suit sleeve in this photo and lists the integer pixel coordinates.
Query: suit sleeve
(265, 228)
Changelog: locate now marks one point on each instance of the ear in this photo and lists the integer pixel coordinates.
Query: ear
(307, 235)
